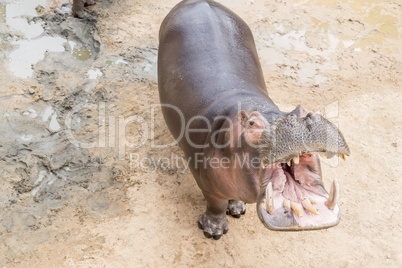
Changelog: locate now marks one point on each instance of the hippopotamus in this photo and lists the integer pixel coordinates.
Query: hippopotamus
(78, 7)
(241, 147)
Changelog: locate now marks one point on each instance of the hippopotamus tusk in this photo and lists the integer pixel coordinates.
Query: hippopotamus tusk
(242, 148)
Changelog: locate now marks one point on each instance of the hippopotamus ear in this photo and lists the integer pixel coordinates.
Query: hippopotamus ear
(242, 118)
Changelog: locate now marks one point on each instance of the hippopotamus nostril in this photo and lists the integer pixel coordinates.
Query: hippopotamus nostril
(314, 117)
(308, 123)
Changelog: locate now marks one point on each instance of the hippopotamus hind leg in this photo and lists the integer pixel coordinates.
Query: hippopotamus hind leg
(236, 208)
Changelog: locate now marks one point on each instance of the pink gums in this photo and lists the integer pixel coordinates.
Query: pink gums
(304, 183)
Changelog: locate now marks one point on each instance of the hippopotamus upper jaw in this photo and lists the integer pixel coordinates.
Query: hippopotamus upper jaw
(290, 136)
(292, 196)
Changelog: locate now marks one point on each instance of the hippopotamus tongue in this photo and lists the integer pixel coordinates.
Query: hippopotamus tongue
(293, 196)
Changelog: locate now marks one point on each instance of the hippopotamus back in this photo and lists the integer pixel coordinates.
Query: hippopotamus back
(209, 62)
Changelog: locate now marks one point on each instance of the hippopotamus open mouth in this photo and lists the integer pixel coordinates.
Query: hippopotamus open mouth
(294, 197)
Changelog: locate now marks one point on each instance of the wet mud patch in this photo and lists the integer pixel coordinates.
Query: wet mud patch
(143, 62)
(54, 182)
(47, 179)
(82, 40)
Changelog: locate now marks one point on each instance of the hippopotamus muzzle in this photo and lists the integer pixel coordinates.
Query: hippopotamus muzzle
(292, 195)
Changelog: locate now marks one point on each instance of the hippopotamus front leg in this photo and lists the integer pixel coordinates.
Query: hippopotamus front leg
(213, 222)
(78, 7)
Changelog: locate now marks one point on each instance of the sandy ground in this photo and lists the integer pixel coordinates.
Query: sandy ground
(110, 205)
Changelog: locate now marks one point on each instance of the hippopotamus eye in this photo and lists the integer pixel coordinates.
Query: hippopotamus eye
(251, 123)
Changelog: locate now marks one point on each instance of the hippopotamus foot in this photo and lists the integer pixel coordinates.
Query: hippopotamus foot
(78, 7)
(213, 225)
(214, 222)
(236, 208)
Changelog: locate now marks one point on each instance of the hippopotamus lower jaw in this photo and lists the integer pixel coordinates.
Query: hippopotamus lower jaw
(292, 195)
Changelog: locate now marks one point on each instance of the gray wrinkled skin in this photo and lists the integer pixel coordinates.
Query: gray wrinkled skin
(291, 135)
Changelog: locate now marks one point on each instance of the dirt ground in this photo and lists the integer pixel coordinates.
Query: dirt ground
(72, 194)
